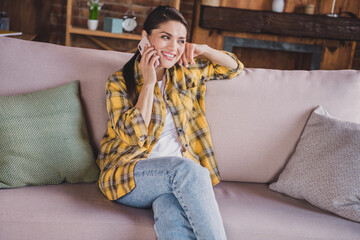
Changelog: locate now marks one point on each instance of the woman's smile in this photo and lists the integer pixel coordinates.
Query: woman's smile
(168, 55)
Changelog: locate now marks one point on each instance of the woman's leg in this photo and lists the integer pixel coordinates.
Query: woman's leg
(169, 215)
(190, 183)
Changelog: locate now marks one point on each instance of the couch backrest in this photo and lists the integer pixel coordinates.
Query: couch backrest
(255, 118)
(28, 66)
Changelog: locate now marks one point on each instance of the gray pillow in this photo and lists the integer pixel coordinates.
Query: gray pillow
(325, 167)
(44, 140)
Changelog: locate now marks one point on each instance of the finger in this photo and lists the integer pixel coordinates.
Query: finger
(144, 58)
(147, 50)
(181, 61)
(185, 60)
(191, 53)
(149, 55)
(153, 60)
(185, 55)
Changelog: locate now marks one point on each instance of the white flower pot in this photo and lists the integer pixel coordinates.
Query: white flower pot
(278, 5)
(213, 3)
(93, 24)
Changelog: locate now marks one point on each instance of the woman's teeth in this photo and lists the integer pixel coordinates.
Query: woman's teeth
(168, 55)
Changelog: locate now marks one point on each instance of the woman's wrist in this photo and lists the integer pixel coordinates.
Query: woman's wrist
(219, 57)
(205, 50)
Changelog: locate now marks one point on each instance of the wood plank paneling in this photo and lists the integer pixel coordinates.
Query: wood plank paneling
(29, 16)
(336, 54)
(299, 25)
(321, 6)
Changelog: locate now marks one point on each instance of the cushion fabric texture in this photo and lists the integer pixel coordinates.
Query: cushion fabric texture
(325, 167)
(44, 139)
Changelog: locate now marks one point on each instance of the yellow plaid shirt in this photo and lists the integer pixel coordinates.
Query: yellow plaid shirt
(128, 140)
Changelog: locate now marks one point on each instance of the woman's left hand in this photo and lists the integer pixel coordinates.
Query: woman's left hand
(192, 50)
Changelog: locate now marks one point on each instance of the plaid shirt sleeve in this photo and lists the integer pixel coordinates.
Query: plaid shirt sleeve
(126, 120)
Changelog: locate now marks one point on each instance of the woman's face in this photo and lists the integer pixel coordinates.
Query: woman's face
(169, 41)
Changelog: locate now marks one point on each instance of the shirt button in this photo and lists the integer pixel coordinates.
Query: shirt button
(180, 130)
(162, 124)
(167, 97)
(186, 146)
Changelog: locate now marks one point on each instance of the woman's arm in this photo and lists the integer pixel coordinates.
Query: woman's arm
(130, 122)
(146, 96)
(145, 102)
(218, 57)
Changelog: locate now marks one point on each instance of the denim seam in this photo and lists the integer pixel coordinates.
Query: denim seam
(179, 197)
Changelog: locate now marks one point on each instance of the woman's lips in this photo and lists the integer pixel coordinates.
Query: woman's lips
(168, 56)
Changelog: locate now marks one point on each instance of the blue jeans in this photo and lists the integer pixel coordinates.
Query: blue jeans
(181, 196)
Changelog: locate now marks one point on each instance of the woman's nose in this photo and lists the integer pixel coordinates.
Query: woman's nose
(173, 44)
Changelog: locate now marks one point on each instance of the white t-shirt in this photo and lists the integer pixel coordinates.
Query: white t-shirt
(168, 143)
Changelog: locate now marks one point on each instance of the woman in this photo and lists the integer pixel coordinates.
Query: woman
(157, 150)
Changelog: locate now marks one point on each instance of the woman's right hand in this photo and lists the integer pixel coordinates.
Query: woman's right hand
(147, 63)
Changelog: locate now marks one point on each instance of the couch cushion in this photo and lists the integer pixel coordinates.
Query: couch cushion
(80, 211)
(69, 211)
(257, 118)
(44, 140)
(253, 212)
(325, 167)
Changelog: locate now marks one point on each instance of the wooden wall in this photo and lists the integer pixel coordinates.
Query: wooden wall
(321, 6)
(29, 16)
(111, 8)
(336, 54)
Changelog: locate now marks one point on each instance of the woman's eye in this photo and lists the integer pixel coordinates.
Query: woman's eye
(165, 37)
(182, 41)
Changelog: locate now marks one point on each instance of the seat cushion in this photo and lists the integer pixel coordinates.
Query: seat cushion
(252, 211)
(69, 211)
(80, 211)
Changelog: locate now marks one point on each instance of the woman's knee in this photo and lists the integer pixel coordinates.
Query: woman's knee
(179, 169)
(166, 204)
(187, 168)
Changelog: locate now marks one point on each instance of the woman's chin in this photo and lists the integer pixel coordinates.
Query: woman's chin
(167, 65)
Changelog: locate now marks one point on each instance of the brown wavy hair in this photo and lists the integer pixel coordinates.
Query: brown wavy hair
(159, 15)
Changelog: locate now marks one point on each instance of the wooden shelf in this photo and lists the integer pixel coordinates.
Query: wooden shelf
(97, 33)
(285, 24)
(84, 31)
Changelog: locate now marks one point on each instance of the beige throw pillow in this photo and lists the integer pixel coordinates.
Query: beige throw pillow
(325, 167)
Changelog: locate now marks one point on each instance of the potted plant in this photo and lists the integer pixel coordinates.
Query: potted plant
(94, 8)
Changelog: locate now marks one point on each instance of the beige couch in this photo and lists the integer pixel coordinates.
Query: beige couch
(256, 120)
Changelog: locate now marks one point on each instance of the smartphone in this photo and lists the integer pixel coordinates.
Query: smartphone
(141, 46)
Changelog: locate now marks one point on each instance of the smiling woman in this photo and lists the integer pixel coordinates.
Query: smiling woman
(157, 149)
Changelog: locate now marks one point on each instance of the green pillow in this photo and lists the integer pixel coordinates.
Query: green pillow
(44, 140)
